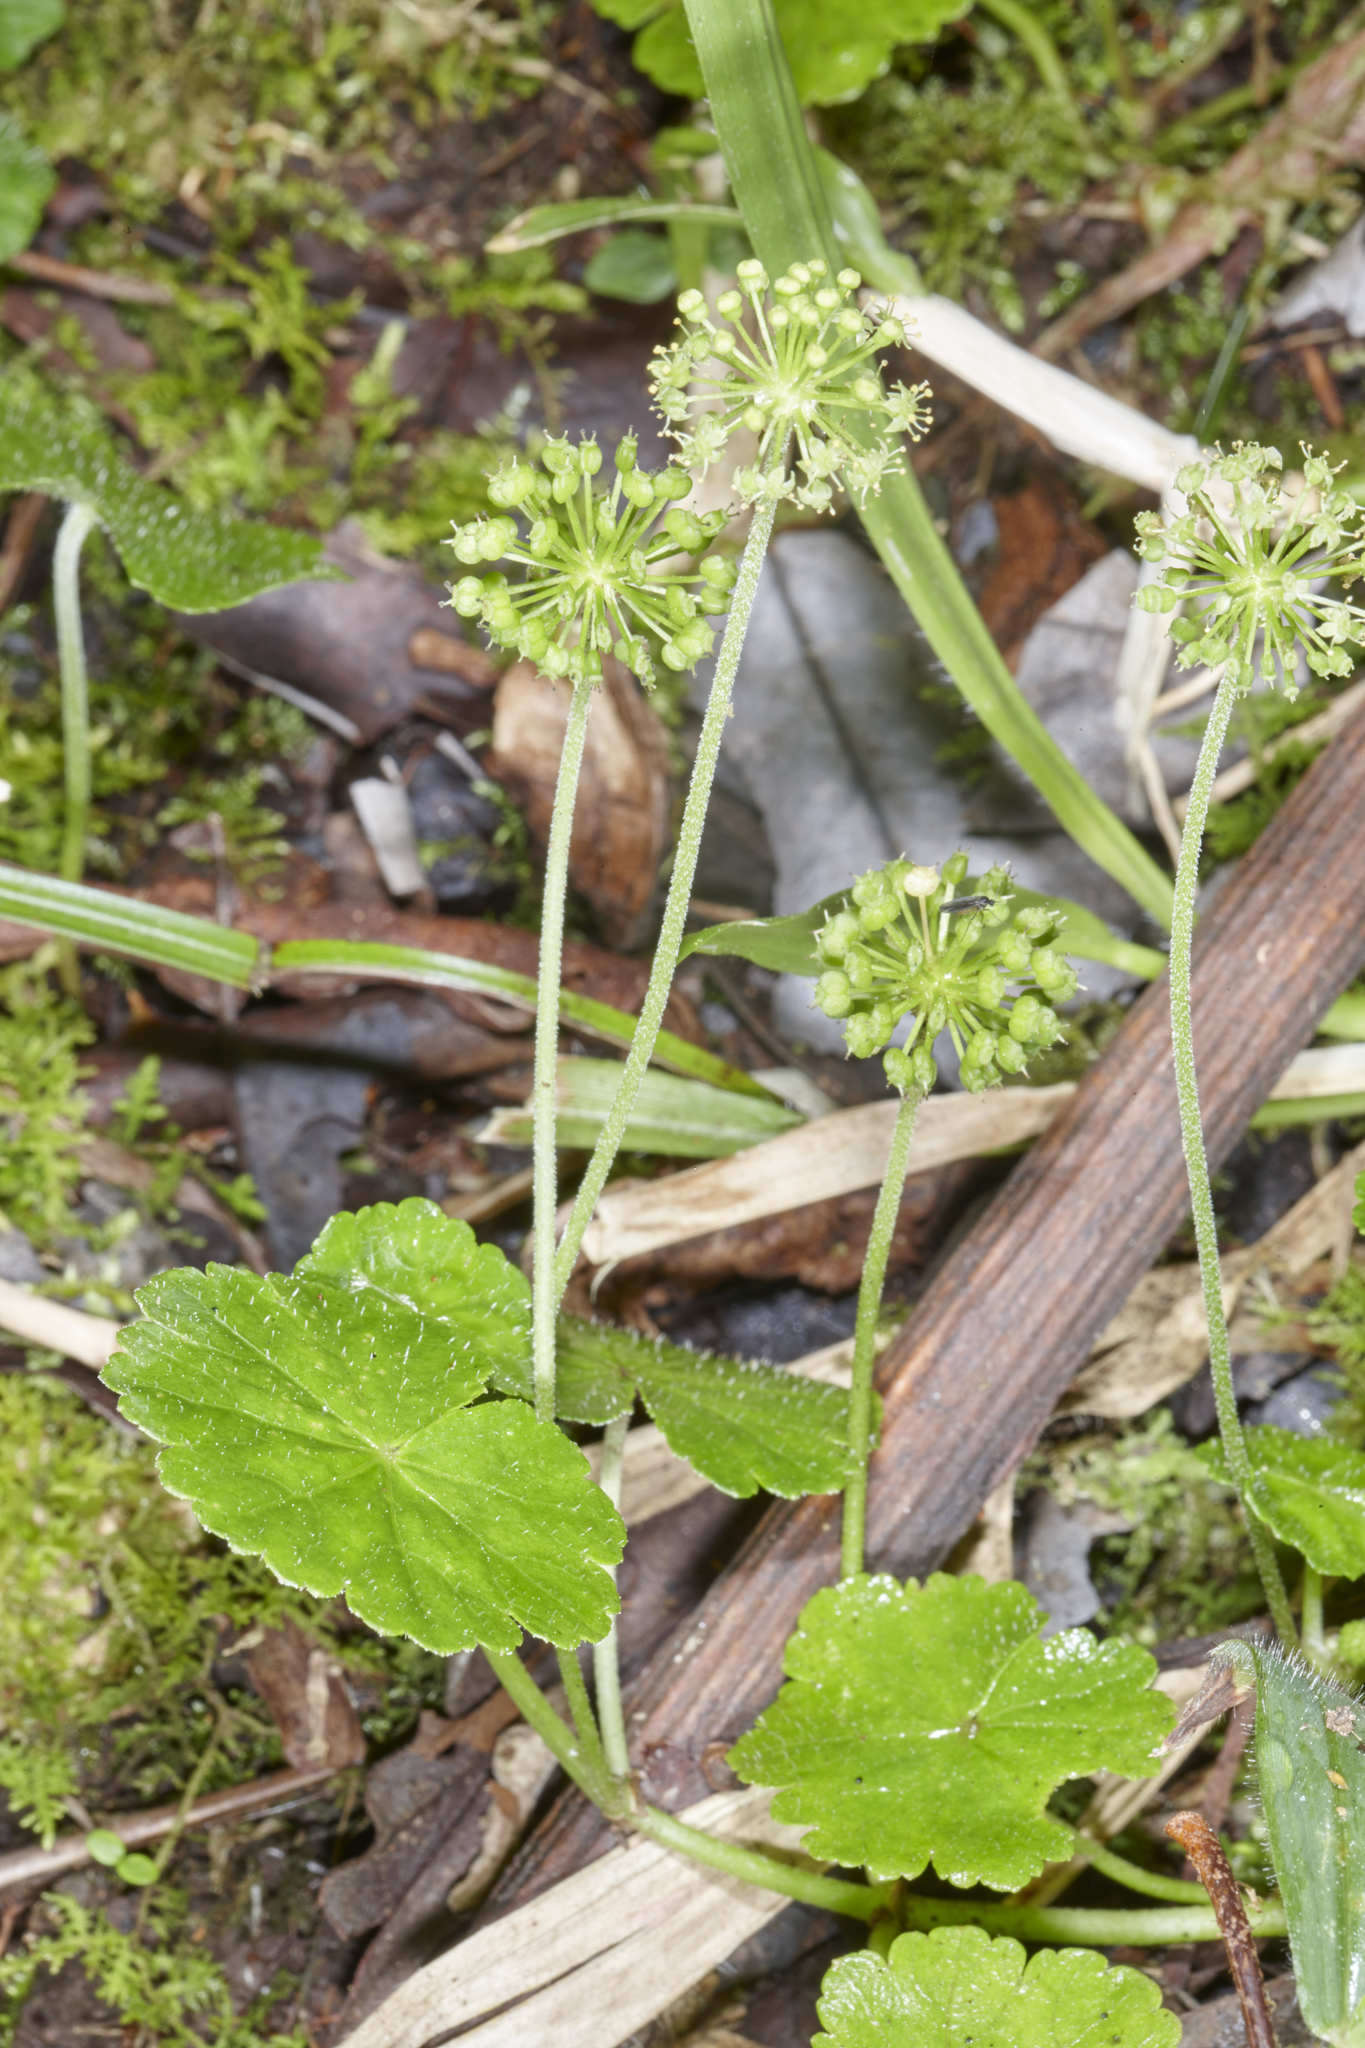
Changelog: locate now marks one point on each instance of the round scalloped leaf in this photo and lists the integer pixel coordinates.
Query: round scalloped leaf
(1310, 1492)
(323, 1421)
(26, 182)
(191, 561)
(429, 1264)
(958, 1988)
(934, 1722)
(744, 1427)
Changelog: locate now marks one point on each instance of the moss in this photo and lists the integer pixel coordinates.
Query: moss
(289, 114)
(1183, 1568)
(1338, 1323)
(42, 1109)
(164, 1989)
(257, 83)
(119, 1609)
(158, 714)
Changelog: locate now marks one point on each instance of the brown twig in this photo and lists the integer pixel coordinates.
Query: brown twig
(1320, 126)
(20, 530)
(1214, 1872)
(95, 284)
(38, 1866)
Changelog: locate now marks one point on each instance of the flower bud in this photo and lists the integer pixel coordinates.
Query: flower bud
(834, 993)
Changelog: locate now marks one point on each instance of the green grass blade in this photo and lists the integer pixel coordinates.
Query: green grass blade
(448, 970)
(542, 224)
(776, 179)
(169, 938)
(122, 924)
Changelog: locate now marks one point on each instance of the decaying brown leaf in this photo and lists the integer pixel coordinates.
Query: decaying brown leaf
(621, 820)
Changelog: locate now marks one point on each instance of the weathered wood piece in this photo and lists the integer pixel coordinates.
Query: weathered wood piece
(1011, 1315)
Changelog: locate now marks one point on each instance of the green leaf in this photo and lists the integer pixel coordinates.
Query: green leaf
(103, 1846)
(136, 1869)
(934, 1722)
(26, 182)
(635, 266)
(542, 224)
(674, 1116)
(191, 561)
(743, 1426)
(1309, 1491)
(786, 945)
(1358, 1213)
(23, 25)
(835, 47)
(1310, 1771)
(324, 1420)
(957, 1988)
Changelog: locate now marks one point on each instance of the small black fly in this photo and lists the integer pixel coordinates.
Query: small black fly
(966, 903)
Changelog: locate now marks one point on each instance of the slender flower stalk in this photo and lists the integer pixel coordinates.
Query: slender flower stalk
(606, 1662)
(905, 945)
(1246, 566)
(852, 1535)
(1196, 1159)
(602, 576)
(66, 601)
(544, 1150)
(798, 369)
(673, 926)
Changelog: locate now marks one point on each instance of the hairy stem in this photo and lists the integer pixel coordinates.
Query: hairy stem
(1150, 1883)
(544, 1158)
(1311, 1619)
(584, 1720)
(865, 1336)
(1196, 1160)
(757, 1866)
(753, 1866)
(679, 895)
(606, 1654)
(1087, 1926)
(66, 605)
(555, 1732)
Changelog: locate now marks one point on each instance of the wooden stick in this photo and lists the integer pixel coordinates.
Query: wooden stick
(1205, 1852)
(1011, 1315)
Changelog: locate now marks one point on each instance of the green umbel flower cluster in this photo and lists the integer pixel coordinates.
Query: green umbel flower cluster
(1243, 561)
(597, 560)
(800, 372)
(986, 975)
